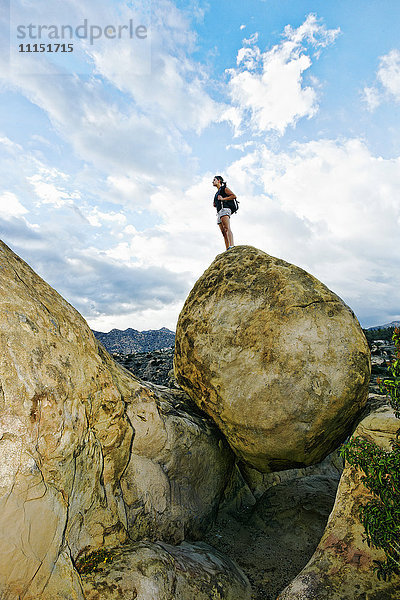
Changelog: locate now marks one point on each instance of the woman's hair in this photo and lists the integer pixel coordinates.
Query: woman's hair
(221, 179)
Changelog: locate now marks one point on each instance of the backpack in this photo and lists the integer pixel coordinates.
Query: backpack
(232, 204)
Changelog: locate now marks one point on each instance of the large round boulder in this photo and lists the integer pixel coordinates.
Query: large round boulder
(274, 357)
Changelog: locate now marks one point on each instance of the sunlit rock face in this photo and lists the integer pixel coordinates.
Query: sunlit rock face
(274, 357)
(342, 567)
(89, 456)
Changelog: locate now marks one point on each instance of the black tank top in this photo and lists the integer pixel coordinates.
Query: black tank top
(221, 192)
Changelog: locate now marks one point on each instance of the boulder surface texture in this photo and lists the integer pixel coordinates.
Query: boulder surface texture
(274, 357)
(342, 566)
(158, 571)
(89, 456)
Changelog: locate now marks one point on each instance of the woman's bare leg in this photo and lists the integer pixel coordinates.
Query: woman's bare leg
(224, 233)
(228, 235)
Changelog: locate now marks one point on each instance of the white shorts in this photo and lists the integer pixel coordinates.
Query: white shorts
(224, 212)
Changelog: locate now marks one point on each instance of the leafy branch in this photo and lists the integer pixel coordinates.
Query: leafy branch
(380, 516)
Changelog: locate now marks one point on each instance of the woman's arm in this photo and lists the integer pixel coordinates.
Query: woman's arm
(229, 195)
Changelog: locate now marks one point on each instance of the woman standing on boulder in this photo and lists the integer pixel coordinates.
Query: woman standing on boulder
(226, 204)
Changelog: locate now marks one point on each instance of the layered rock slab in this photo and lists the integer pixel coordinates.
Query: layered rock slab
(178, 468)
(157, 571)
(342, 566)
(73, 427)
(274, 357)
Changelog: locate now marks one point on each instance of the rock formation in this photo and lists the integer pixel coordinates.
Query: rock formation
(342, 565)
(272, 529)
(259, 483)
(156, 366)
(96, 463)
(274, 357)
(89, 456)
(177, 470)
(162, 572)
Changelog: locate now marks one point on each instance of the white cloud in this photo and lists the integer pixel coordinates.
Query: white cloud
(101, 132)
(97, 218)
(125, 234)
(138, 134)
(371, 97)
(10, 146)
(253, 39)
(93, 255)
(388, 81)
(175, 91)
(46, 183)
(389, 73)
(268, 86)
(149, 318)
(187, 238)
(313, 32)
(10, 206)
(248, 57)
(174, 94)
(330, 207)
(130, 188)
(241, 147)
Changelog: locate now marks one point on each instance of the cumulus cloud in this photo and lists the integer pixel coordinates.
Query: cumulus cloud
(123, 288)
(176, 89)
(96, 284)
(122, 227)
(10, 206)
(329, 206)
(389, 73)
(268, 87)
(49, 192)
(332, 208)
(139, 133)
(388, 81)
(83, 250)
(102, 133)
(371, 97)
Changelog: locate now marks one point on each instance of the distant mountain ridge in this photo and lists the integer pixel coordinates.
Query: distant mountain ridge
(130, 340)
(386, 326)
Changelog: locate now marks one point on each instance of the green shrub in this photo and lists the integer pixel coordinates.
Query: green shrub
(381, 515)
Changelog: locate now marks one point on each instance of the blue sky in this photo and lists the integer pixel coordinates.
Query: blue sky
(108, 152)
